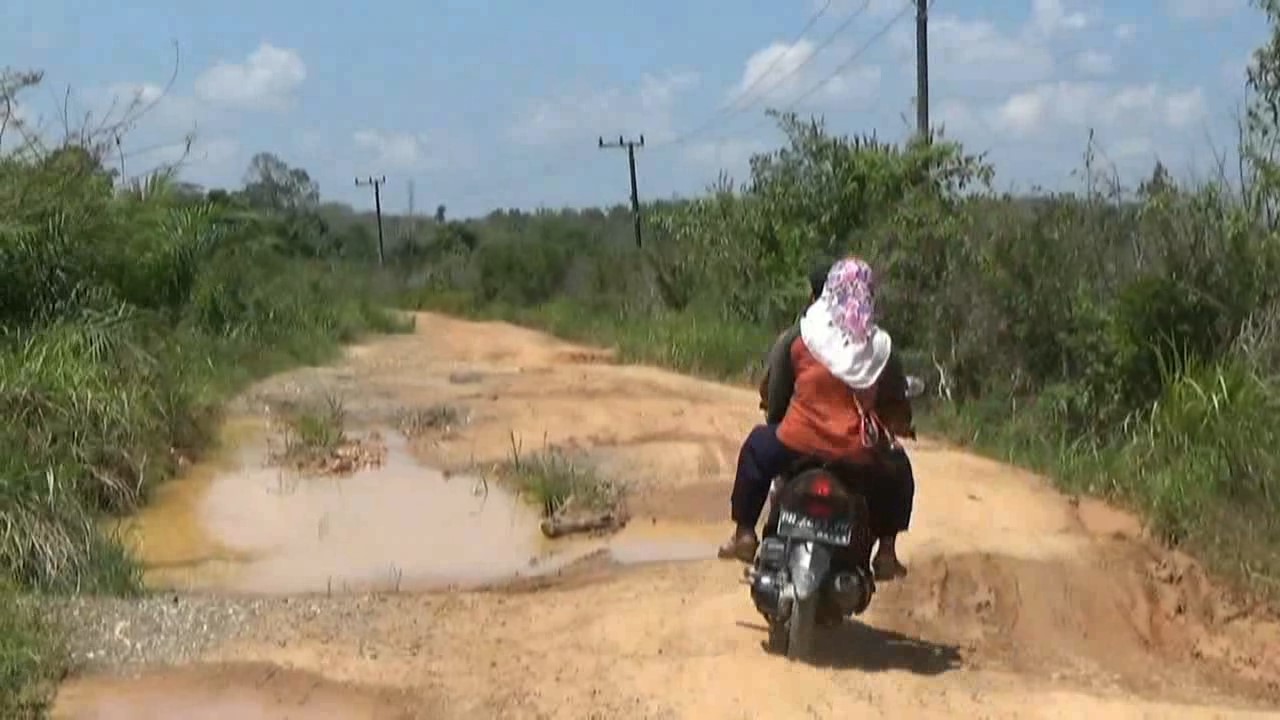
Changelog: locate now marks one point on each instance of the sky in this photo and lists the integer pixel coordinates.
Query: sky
(500, 103)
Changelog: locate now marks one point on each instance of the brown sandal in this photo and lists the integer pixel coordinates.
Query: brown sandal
(741, 547)
(887, 568)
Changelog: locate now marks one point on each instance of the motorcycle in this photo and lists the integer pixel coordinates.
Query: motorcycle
(813, 566)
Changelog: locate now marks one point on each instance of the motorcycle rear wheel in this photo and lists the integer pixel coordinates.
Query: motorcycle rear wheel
(800, 628)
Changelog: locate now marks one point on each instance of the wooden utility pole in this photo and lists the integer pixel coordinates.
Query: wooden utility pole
(377, 183)
(631, 146)
(412, 232)
(922, 68)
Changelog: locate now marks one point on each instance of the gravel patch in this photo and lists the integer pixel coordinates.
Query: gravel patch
(105, 633)
(168, 629)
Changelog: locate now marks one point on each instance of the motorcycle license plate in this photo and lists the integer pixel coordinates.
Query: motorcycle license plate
(798, 526)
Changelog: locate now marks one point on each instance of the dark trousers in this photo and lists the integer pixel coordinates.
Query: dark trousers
(890, 495)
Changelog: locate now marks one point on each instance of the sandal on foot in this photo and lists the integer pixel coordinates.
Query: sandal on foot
(886, 569)
(740, 547)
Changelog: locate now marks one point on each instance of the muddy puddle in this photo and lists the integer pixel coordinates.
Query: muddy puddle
(234, 524)
(223, 692)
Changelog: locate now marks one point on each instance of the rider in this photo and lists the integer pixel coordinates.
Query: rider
(842, 361)
(775, 386)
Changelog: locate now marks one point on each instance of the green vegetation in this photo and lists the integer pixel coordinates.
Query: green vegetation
(313, 432)
(1125, 342)
(129, 311)
(416, 422)
(560, 485)
(31, 656)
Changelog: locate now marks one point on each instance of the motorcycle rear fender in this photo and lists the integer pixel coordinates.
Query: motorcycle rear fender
(808, 567)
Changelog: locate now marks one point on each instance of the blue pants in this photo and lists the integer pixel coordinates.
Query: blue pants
(763, 457)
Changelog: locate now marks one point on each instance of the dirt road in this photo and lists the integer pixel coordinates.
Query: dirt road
(1020, 602)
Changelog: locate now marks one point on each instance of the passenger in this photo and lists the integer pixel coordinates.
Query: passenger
(847, 401)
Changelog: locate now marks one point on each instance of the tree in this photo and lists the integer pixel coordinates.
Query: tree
(1159, 182)
(440, 214)
(1261, 142)
(270, 184)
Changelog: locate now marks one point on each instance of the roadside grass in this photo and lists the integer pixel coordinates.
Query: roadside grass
(316, 441)
(127, 319)
(566, 489)
(33, 658)
(416, 422)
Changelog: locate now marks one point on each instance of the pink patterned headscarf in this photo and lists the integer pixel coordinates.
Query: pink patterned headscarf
(850, 300)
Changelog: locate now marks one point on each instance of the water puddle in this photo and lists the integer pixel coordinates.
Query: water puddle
(220, 692)
(235, 525)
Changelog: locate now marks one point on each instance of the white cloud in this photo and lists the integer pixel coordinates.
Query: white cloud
(1203, 9)
(403, 151)
(266, 80)
(957, 118)
(580, 116)
(392, 149)
(1053, 106)
(1185, 108)
(771, 72)
(969, 52)
(1094, 62)
(782, 73)
(1049, 17)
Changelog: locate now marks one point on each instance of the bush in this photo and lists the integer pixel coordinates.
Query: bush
(127, 316)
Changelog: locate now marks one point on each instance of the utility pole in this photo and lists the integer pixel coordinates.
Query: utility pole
(413, 229)
(922, 68)
(377, 183)
(631, 146)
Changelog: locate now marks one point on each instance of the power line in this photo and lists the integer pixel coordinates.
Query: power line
(746, 92)
(717, 116)
(794, 41)
(548, 170)
(555, 168)
(848, 62)
(727, 106)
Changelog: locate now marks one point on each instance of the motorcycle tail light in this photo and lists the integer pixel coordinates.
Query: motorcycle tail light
(820, 486)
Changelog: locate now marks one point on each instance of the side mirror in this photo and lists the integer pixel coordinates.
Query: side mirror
(915, 386)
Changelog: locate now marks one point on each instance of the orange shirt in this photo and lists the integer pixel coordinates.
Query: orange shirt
(823, 417)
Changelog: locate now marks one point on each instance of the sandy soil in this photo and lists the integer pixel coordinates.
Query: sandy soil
(1020, 602)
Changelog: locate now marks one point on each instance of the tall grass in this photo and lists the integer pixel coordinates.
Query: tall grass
(127, 316)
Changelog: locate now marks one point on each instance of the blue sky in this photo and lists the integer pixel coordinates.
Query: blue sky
(499, 103)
